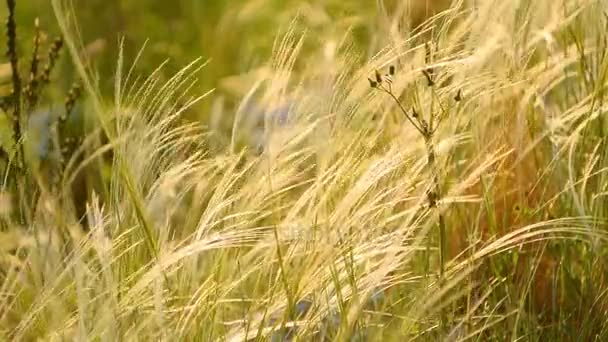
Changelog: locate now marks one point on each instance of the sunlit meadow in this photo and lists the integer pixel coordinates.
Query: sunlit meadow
(318, 171)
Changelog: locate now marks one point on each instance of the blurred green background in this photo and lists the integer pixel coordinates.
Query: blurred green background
(234, 36)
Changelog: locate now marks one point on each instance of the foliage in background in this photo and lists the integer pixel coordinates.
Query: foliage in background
(236, 36)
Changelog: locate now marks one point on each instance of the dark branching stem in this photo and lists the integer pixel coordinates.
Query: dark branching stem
(11, 34)
(23, 180)
(426, 130)
(409, 118)
(433, 194)
(433, 197)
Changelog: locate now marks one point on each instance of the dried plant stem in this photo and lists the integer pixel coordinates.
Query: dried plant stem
(17, 176)
(434, 194)
(433, 197)
(426, 129)
(11, 35)
(30, 90)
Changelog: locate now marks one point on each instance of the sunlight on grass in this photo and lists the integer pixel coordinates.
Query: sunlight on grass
(444, 181)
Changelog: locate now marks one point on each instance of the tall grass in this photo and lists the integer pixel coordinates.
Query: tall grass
(312, 221)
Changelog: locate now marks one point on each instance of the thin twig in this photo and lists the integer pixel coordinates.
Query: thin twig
(11, 35)
(434, 195)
